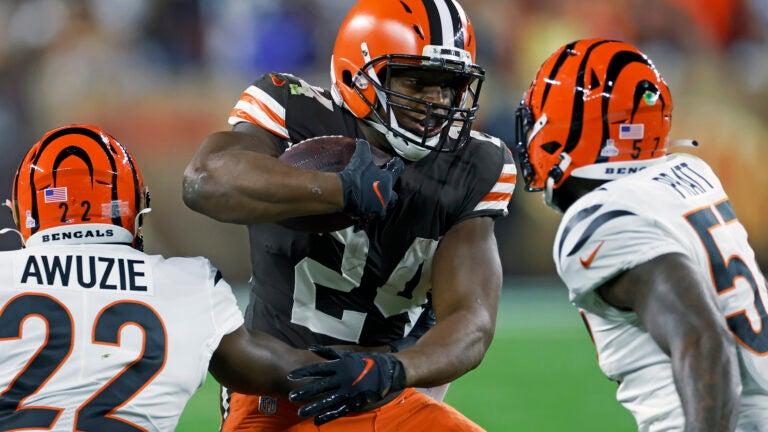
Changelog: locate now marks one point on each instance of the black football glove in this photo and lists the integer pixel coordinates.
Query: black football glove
(347, 383)
(368, 188)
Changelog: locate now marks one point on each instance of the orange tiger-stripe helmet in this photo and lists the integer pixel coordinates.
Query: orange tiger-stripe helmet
(78, 184)
(597, 109)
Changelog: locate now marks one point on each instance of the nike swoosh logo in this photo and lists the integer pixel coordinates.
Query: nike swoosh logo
(588, 262)
(366, 369)
(378, 193)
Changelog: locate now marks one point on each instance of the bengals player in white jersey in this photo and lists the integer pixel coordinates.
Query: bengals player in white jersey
(96, 335)
(649, 246)
(404, 79)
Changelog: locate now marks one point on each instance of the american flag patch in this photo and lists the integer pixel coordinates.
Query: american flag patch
(631, 131)
(58, 194)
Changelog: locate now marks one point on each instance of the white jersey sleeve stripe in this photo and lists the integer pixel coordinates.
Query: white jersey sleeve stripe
(501, 193)
(267, 101)
(492, 205)
(256, 106)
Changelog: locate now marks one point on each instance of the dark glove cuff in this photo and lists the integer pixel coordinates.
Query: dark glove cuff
(347, 192)
(399, 380)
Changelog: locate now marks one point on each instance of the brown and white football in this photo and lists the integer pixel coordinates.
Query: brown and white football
(327, 154)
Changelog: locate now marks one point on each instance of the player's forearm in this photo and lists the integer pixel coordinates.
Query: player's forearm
(243, 186)
(466, 280)
(707, 380)
(453, 347)
(253, 362)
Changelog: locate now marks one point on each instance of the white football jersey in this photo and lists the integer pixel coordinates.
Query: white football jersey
(675, 206)
(104, 337)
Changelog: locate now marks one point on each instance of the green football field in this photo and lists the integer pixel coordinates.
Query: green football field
(540, 375)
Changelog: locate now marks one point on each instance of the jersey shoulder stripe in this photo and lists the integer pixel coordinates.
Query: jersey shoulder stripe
(573, 221)
(501, 193)
(257, 106)
(593, 226)
(498, 197)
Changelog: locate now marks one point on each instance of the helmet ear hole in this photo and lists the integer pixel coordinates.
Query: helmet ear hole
(551, 147)
(346, 77)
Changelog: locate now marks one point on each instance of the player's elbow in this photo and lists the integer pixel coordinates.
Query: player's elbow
(203, 187)
(196, 190)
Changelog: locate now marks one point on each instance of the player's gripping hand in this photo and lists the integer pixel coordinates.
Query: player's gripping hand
(368, 188)
(347, 383)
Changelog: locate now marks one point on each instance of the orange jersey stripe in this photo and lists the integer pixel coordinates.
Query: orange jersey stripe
(508, 178)
(245, 97)
(241, 114)
(497, 196)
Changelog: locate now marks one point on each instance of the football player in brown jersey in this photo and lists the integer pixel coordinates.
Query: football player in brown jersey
(404, 79)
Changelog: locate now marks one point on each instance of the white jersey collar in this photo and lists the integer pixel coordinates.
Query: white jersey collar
(81, 234)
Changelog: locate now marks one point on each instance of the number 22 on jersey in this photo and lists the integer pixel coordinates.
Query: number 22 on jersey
(97, 412)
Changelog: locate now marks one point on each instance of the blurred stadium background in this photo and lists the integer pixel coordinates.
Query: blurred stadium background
(162, 74)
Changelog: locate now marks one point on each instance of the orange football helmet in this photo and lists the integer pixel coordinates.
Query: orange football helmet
(79, 185)
(597, 109)
(378, 37)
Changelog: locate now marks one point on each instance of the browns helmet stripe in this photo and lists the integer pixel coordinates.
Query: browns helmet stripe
(444, 23)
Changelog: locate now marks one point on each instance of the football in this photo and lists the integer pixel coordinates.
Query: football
(328, 154)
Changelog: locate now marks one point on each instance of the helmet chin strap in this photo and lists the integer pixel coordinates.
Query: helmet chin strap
(555, 174)
(405, 149)
(136, 226)
(8, 204)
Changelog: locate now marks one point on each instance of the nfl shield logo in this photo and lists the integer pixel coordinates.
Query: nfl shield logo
(267, 405)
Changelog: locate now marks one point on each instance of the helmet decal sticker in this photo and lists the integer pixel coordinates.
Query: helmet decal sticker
(58, 194)
(631, 131)
(610, 149)
(29, 221)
